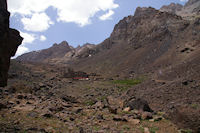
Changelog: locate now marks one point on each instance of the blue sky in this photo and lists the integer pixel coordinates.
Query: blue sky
(45, 22)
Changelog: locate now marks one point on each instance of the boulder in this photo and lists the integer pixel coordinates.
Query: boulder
(69, 99)
(112, 109)
(134, 121)
(146, 115)
(119, 118)
(116, 102)
(139, 104)
(2, 106)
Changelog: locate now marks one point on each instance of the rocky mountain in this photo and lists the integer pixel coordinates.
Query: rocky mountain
(143, 42)
(56, 51)
(9, 42)
(139, 40)
(62, 52)
(189, 11)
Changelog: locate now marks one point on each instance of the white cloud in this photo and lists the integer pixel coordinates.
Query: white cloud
(21, 50)
(76, 11)
(28, 38)
(81, 11)
(38, 22)
(28, 7)
(43, 38)
(183, 0)
(107, 15)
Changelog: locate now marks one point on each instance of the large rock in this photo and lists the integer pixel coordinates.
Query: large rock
(139, 104)
(9, 42)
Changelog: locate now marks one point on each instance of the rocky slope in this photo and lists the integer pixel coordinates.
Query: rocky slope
(189, 11)
(9, 42)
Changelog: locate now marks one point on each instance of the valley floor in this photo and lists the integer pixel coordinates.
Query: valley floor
(40, 99)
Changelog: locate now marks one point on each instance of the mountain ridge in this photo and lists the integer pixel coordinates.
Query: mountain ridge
(115, 36)
(136, 33)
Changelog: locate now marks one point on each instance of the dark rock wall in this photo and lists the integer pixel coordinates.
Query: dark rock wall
(10, 39)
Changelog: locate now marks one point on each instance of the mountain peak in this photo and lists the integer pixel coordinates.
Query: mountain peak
(63, 43)
(143, 11)
(191, 2)
(172, 8)
(189, 11)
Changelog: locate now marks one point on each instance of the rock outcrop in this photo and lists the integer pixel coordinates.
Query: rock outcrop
(9, 42)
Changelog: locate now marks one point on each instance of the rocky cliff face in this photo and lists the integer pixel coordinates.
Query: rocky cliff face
(9, 42)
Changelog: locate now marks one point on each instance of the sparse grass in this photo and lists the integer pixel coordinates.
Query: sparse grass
(90, 102)
(141, 129)
(122, 88)
(153, 129)
(126, 127)
(129, 82)
(161, 113)
(96, 128)
(125, 112)
(125, 84)
(89, 88)
(102, 98)
(195, 106)
(26, 122)
(186, 131)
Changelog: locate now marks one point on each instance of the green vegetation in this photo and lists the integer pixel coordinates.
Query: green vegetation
(126, 112)
(102, 98)
(122, 88)
(90, 102)
(129, 82)
(125, 84)
(126, 127)
(186, 131)
(153, 129)
(161, 113)
(195, 106)
(141, 129)
(96, 128)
